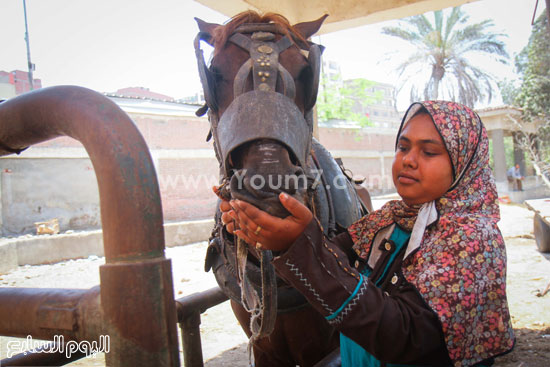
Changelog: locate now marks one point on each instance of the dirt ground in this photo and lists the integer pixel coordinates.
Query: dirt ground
(528, 276)
(224, 344)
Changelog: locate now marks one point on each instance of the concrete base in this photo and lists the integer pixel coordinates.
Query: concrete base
(502, 187)
(8, 257)
(533, 188)
(184, 233)
(529, 194)
(44, 249)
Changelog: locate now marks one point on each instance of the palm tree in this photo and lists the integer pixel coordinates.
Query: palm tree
(446, 47)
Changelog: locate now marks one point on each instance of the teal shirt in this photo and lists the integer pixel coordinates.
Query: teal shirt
(352, 354)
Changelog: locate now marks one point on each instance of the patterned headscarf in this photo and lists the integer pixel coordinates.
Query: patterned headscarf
(459, 267)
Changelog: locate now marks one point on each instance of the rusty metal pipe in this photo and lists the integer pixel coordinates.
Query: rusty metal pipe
(199, 302)
(191, 340)
(45, 313)
(189, 310)
(42, 357)
(128, 187)
(137, 297)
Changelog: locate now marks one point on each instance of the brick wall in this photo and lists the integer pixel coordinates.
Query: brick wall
(186, 169)
(372, 139)
(367, 152)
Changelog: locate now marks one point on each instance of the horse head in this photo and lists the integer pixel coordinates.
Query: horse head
(260, 89)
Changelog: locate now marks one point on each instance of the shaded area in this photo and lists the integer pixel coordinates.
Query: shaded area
(234, 357)
(532, 349)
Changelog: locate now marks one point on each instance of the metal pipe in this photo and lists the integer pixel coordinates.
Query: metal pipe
(200, 301)
(191, 340)
(128, 186)
(189, 309)
(46, 313)
(137, 298)
(27, 41)
(43, 356)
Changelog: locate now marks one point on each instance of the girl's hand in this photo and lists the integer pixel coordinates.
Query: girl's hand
(227, 212)
(265, 231)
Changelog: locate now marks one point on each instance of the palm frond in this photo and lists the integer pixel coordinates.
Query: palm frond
(438, 18)
(420, 23)
(454, 18)
(412, 37)
(442, 47)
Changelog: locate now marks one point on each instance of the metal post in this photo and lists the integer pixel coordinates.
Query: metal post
(29, 63)
(189, 311)
(191, 340)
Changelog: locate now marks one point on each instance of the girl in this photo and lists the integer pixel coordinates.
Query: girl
(420, 281)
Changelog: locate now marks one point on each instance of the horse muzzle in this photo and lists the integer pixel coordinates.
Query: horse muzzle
(264, 170)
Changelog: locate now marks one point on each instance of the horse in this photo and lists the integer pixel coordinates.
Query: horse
(260, 90)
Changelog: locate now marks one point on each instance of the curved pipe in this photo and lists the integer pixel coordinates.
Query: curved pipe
(128, 187)
(137, 299)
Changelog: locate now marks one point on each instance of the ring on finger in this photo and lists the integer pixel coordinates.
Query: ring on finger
(257, 231)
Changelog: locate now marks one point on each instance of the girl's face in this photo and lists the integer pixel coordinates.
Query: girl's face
(421, 168)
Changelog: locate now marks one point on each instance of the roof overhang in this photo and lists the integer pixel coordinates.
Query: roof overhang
(343, 14)
(506, 118)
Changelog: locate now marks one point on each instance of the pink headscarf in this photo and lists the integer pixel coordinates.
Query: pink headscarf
(459, 266)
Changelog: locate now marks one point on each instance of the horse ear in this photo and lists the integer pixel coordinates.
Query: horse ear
(308, 29)
(206, 27)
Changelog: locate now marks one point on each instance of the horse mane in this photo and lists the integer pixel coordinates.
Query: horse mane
(222, 33)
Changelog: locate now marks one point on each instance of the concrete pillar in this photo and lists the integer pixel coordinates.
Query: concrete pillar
(519, 154)
(382, 165)
(499, 160)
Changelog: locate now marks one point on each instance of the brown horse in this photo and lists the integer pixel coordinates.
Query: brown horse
(260, 90)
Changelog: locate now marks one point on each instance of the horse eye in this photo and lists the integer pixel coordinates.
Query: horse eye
(216, 73)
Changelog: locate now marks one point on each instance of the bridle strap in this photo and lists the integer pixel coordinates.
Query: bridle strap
(241, 41)
(239, 84)
(263, 63)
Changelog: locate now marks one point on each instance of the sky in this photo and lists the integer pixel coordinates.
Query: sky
(107, 45)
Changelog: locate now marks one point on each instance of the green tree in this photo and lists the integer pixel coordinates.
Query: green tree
(534, 93)
(533, 96)
(508, 91)
(342, 101)
(443, 50)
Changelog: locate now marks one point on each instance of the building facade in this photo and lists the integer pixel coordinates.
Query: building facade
(16, 82)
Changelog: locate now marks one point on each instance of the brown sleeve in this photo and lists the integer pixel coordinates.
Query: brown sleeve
(395, 325)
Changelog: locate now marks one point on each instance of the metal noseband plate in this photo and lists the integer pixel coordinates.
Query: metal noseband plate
(264, 115)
